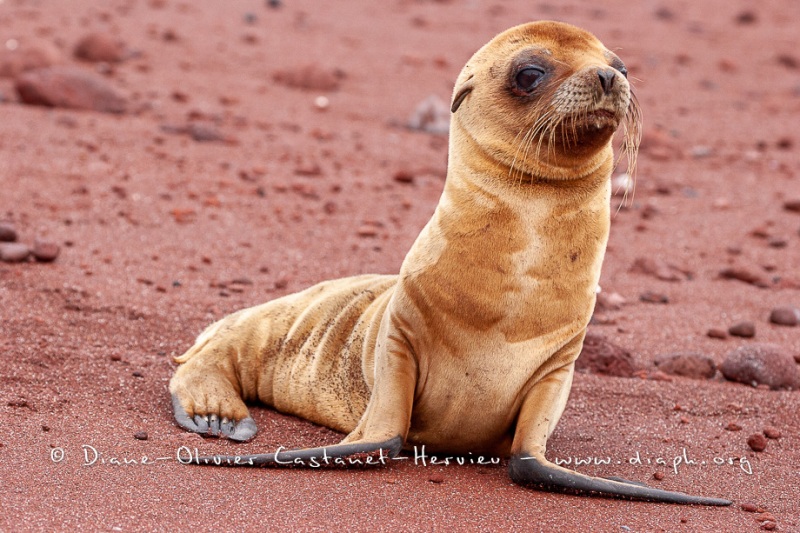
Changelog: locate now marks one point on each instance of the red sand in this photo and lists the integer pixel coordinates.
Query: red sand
(162, 234)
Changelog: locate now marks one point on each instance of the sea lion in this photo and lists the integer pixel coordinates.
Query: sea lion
(472, 347)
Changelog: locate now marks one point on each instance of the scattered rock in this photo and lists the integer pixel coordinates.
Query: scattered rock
(746, 17)
(757, 442)
(600, 356)
(197, 131)
(403, 176)
(69, 87)
(792, 205)
(13, 252)
(745, 275)
(658, 269)
(785, 316)
(772, 432)
(761, 364)
(436, 478)
(658, 476)
(310, 78)
(749, 507)
(27, 56)
(745, 330)
(612, 301)
(45, 251)
(654, 297)
(733, 426)
(716, 333)
(432, 115)
(140, 435)
(690, 365)
(100, 46)
(658, 145)
(8, 233)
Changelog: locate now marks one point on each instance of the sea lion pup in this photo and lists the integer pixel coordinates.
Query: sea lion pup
(472, 347)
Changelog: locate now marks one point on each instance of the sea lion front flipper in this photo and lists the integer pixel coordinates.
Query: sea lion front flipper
(242, 430)
(540, 411)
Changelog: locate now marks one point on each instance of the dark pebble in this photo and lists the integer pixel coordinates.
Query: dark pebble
(746, 330)
(7, 233)
(716, 333)
(140, 435)
(69, 87)
(761, 364)
(690, 365)
(45, 251)
(436, 478)
(733, 426)
(785, 316)
(654, 297)
(792, 205)
(757, 442)
(101, 46)
(749, 507)
(772, 432)
(600, 356)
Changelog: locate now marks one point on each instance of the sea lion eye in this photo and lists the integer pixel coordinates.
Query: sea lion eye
(528, 78)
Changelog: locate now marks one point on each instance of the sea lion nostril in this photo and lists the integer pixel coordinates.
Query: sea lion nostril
(607, 77)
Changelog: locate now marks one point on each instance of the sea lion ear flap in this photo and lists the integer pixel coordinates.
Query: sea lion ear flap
(462, 93)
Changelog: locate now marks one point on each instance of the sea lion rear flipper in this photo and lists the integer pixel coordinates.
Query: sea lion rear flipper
(539, 473)
(540, 411)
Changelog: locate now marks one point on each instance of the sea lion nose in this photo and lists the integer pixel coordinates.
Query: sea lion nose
(607, 77)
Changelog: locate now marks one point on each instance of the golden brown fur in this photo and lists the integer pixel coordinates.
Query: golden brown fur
(471, 348)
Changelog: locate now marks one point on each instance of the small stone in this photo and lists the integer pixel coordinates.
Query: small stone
(757, 442)
(432, 115)
(746, 17)
(690, 365)
(765, 517)
(745, 275)
(100, 46)
(310, 77)
(69, 87)
(733, 426)
(746, 330)
(137, 374)
(609, 301)
(792, 205)
(600, 356)
(45, 251)
(28, 56)
(403, 176)
(7, 233)
(13, 252)
(436, 478)
(785, 316)
(761, 364)
(716, 333)
(654, 297)
(140, 435)
(658, 269)
(769, 526)
(749, 507)
(772, 432)
(274, 4)
(658, 476)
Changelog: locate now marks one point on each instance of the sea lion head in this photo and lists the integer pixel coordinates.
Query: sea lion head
(543, 100)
